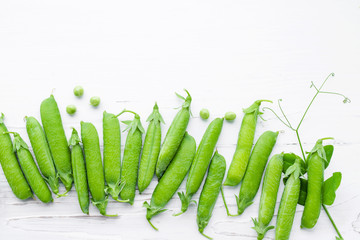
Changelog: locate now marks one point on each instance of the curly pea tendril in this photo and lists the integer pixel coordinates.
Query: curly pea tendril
(287, 123)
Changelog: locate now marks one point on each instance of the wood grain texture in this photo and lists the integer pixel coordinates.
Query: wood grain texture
(226, 53)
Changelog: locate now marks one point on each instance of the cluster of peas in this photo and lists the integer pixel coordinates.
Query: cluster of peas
(79, 91)
(79, 160)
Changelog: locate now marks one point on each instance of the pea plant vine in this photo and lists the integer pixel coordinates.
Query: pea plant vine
(296, 129)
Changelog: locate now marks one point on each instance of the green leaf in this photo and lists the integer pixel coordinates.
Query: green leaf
(329, 150)
(289, 160)
(329, 188)
(303, 191)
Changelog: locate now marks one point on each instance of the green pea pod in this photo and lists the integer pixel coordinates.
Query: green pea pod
(55, 135)
(94, 167)
(172, 178)
(131, 157)
(112, 154)
(151, 149)
(245, 141)
(42, 153)
(174, 136)
(10, 165)
(268, 197)
(79, 172)
(315, 170)
(210, 191)
(288, 203)
(255, 169)
(201, 162)
(30, 170)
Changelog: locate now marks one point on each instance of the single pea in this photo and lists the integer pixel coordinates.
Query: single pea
(204, 113)
(71, 109)
(78, 91)
(230, 116)
(95, 101)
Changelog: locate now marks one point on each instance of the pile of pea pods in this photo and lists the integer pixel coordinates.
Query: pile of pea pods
(79, 160)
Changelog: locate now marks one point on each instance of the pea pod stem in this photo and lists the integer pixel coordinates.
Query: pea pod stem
(225, 204)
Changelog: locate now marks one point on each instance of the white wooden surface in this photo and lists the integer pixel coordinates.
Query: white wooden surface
(226, 53)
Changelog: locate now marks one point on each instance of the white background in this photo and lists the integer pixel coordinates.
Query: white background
(226, 53)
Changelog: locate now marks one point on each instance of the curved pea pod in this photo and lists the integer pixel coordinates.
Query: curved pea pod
(316, 163)
(55, 135)
(112, 154)
(210, 191)
(255, 169)
(172, 178)
(174, 136)
(150, 150)
(79, 172)
(30, 170)
(245, 141)
(201, 162)
(42, 153)
(269, 194)
(94, 167)
(10, 165)
(288, 203)
(130, 164)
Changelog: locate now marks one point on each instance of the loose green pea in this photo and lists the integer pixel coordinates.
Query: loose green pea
(172, 178)
(71, 109)
(258, 159)
(130, 164)
(31, 172)
(210, 191)
(269, 194)
(174, 136)
(10, 165)
(42, 153)
(94, 167)
(230, 116)
(150, 150)
(201, 162)
(55, 134)
(79, 172)
(243, 148)
(95, 101)
(204, 113)
(78, 91)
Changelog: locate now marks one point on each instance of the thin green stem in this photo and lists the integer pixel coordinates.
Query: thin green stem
(277, 116)
(332, 222)
(284, 113)
(226, 207)
(301, 147)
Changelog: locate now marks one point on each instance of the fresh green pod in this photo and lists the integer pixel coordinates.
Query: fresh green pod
(288, 203)
(30, 170)
(112, 154)
(172, 178)
(210, 191)
(42, 153)
(94, 167)
(150, 150)
(55, 135)
(79, 172)
(269, 194)
(130, 164)
(315, 171)
(174, 136)
(201, 162)
(255, 169)
(10, 165)
(245, 141)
